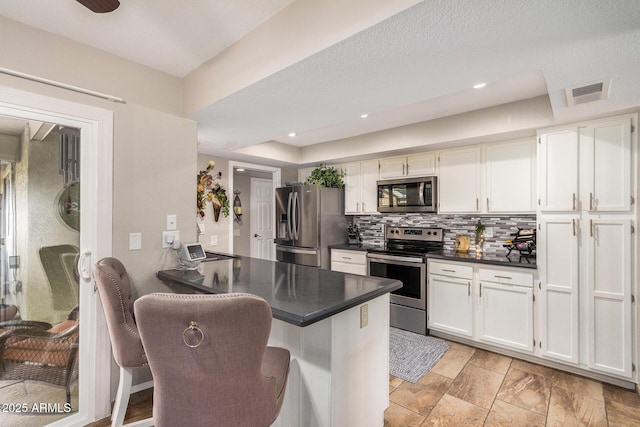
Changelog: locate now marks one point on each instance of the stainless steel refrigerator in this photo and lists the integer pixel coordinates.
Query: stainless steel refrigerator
(309, 219)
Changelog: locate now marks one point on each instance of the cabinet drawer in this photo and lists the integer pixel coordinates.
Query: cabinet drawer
(451, 270)
(507, 277)
(349, 257)
(345, 267)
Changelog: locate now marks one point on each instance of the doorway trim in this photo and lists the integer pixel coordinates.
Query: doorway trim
(96, 133)
(275, 178)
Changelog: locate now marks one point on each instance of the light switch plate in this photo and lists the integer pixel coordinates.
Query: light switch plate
(214, 239)
(135, 241)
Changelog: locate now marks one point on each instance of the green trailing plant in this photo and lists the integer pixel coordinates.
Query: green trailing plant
(326, 176)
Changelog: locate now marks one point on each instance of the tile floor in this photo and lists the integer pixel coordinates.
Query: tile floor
(473, 387)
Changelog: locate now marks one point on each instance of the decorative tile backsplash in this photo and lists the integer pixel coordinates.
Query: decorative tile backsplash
(371, 227)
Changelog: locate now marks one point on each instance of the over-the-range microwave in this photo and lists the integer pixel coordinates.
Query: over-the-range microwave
(408, 194)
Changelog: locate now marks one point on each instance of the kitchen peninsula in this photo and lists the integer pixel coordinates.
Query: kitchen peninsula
(335, 325)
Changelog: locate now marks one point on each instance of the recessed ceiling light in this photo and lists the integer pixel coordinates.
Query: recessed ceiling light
(240, 170)
(364, 116)
(292, 134)
(479, 85)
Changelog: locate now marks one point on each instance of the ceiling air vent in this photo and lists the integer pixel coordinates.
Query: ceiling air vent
(587, 93)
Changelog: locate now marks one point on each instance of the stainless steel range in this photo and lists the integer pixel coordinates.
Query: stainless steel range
(404, 258)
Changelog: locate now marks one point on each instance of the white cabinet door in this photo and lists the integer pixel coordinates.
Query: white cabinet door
(607, 171)
(368, 186)
(421, 164)
(352, 186)
(510, 176)
(558, 170)
(505, 315)
(450, 307)
(459, 181)
(393, 167)
(558, 266)
(609, 272)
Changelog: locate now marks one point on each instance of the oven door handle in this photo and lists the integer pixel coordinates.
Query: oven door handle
(395, 258)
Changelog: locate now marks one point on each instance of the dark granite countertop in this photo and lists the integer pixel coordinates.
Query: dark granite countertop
(499, 258)
(297, 294)
(360, 247)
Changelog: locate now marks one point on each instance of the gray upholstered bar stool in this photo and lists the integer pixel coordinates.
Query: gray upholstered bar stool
(114, 288)
(210, 361)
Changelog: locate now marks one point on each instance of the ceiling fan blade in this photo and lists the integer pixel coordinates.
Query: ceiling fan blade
(100, 6)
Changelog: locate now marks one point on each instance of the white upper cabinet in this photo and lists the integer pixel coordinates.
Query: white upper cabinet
(510, 169)
(558, 164)
(459, 180)
(586, 168)
(360, 188)
(415, 165)
(607, 172)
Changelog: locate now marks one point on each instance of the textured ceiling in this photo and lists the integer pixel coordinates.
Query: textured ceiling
(417, 65)
(168, 35)
(421, 63)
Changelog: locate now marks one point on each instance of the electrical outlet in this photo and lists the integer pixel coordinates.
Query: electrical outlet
(170, 238)
(488, 232)
(214, 239)
(172, 222)
(364, 315)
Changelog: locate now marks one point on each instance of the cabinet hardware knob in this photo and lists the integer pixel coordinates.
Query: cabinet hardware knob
(591, 227)
(503, 277)
(468, 288)
(591, 202)
(573, 224)
(574, 201)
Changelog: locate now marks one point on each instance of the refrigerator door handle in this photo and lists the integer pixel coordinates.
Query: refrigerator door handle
(296, 209)
(290, 229)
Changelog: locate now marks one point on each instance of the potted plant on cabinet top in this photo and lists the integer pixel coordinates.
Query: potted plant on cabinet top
(326, 176)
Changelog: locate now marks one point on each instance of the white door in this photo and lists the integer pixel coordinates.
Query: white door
(450, 307)
(607, 173)
(558, 265)
(459, 181)
(96, 158)
(262, 222)
(510, 173)
(506, 315)
(352, 185)
(558, 171)
(608, 268)
(368, 186)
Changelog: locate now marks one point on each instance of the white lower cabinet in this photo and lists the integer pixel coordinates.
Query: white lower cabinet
(452, 308)
(349, 261)
(505, 315)
(585, 313)
(608, 278)
(488, 305)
